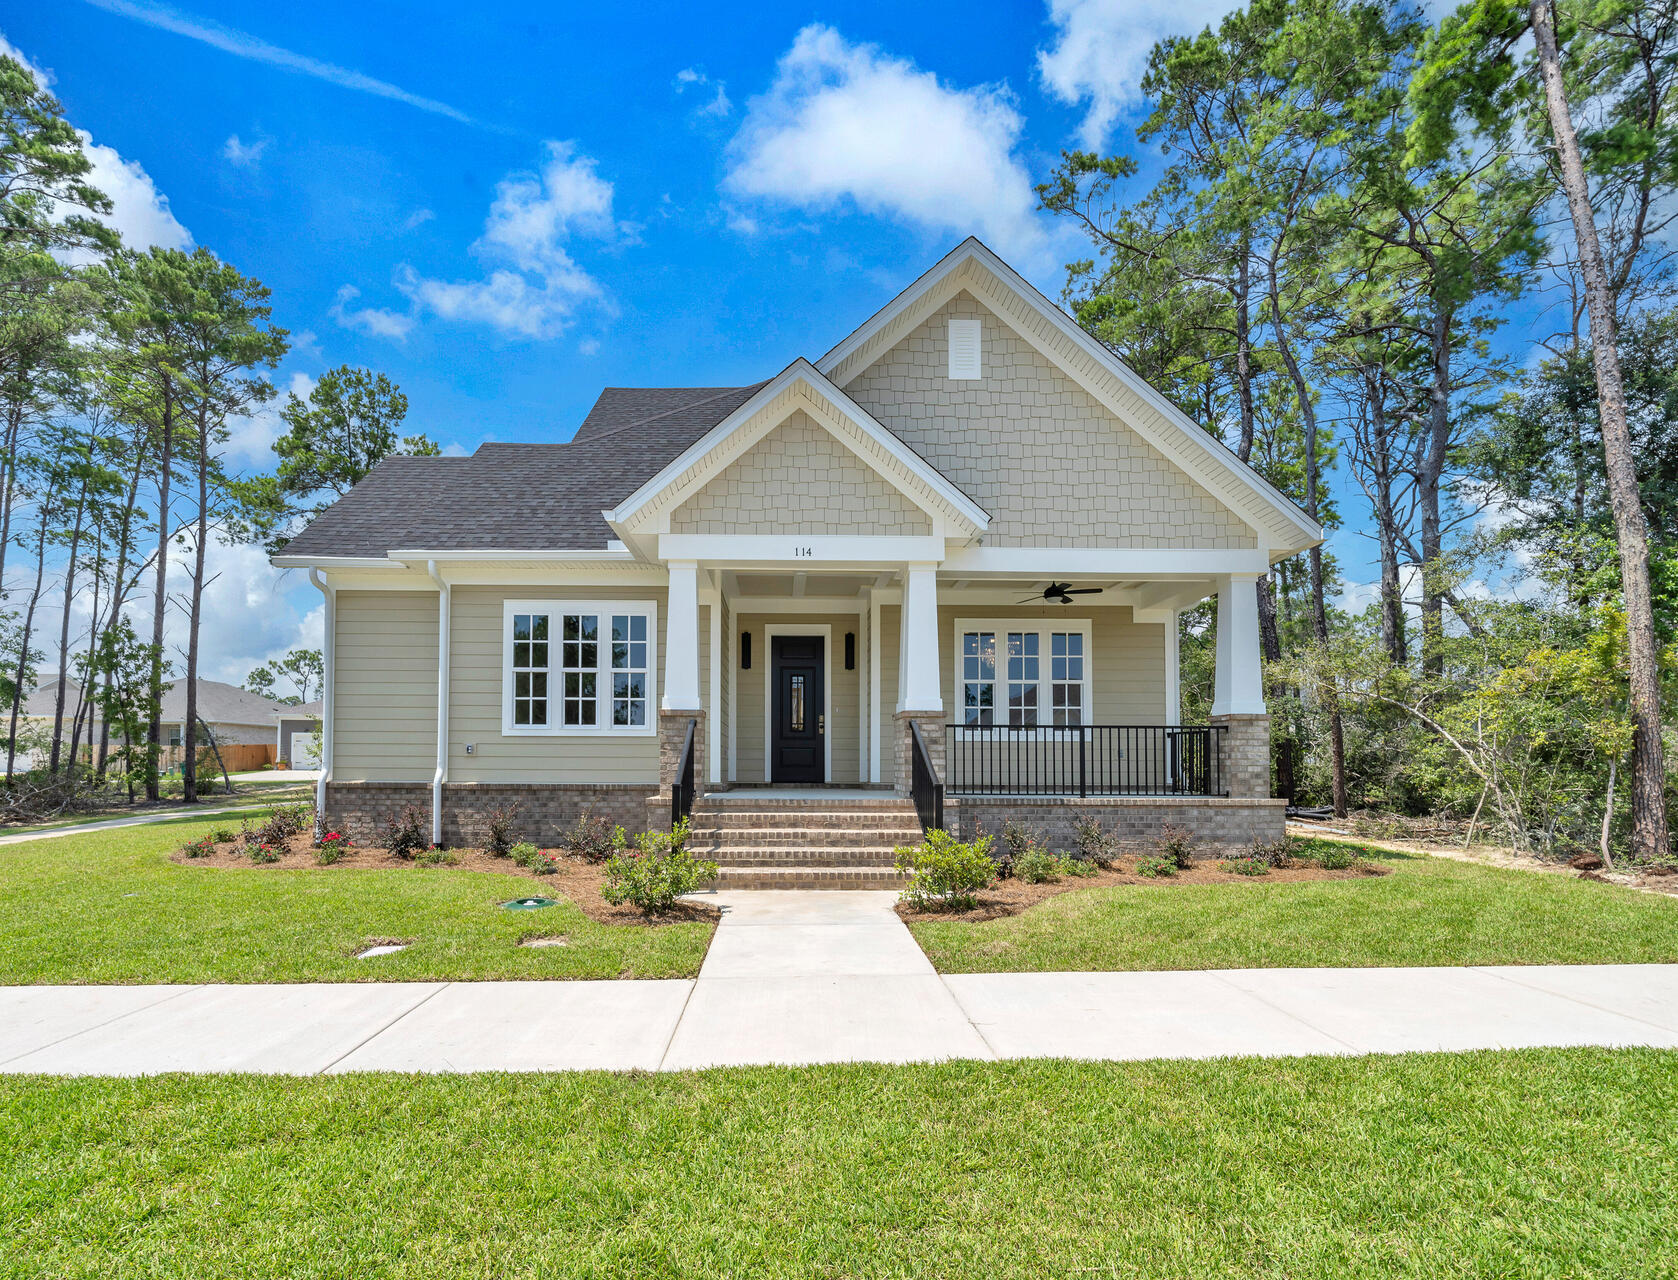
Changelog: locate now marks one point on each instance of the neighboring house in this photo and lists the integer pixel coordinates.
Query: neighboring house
(297, 735)
(234, 715)
(848, 574)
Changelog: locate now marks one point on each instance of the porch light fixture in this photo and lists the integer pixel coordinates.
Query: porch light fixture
(850, 651)
(745, 651)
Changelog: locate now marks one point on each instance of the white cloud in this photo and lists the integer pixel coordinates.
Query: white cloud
(418, 218)
(247, 155)
(589, 346)
(534, 287)
(693, 78)
(242, 44)
(250, 440)
(847, 123)
(1101, 48)
(377, 321)
(140, 212)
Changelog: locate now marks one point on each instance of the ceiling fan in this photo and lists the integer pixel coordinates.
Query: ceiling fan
(1062, 593)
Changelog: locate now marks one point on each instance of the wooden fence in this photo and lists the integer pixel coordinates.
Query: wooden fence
(239, 757)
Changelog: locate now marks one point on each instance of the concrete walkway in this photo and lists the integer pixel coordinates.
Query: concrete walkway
(825, 977)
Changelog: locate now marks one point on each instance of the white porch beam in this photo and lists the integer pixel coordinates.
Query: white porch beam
(874, 734)
(918, 684)
(713, 721)
(796, 551)
(1238, 687)
(1040, 563)
(681, 639)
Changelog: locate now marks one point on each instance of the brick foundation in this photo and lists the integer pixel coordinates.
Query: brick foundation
(545, 810)
(1135, 821)
(932, 730)
(1244, 756)
(672, 736)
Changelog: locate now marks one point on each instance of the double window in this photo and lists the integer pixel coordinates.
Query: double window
(1024, 675)
(578, 667)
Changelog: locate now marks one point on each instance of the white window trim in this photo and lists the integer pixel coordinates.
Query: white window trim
(604, 728)
(1044, 627)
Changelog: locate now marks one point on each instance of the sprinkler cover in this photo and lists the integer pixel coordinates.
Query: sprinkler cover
(529, 904)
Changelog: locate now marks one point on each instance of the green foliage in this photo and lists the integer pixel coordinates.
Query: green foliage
(260, 851)
(330, 847)
(1250, 865)
(531, 858)
(302, 669)
(1155, 865)
(1036, 865)
(200, 848)
(657, 871)
(1334, 857)
(436, 858)
(1176, 845)
(944, 873)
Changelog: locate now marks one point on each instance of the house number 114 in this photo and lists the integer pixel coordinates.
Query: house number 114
(803, 552)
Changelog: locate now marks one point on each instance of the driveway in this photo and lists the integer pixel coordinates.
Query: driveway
(801, 977)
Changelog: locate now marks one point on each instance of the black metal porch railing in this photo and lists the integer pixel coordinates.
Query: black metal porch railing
(681, 792)
(924, 785)
(1083, 760)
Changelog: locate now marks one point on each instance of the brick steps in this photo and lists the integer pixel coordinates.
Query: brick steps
(816, 839)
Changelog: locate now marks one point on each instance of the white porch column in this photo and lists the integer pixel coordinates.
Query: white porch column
(917, 680)
(681, 639)
(1238, 687)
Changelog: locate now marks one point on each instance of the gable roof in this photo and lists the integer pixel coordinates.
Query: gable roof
(518, 496)
(972, 267)
(218, 702)
(802, 385)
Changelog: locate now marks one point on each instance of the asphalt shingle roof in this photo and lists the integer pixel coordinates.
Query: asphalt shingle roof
(521, 497)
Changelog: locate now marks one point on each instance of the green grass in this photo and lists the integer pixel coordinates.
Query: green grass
(1429, 911)
(111, 907)
(1534, 1163)
(245, 794)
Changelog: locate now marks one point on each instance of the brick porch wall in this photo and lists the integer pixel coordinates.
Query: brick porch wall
(545, 810)
(1218, 824)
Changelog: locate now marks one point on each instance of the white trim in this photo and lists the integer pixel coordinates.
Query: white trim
(859, 642)
(1117, 562)
(1173, 670)
(444, 607)
(790, 550)
(955, 271)
(328, 684)
(836, 605)
(733, 692)
(603, 728)
(874, 693)
(800, 372)
(1045, 657)
(713, 719)
(806, 629)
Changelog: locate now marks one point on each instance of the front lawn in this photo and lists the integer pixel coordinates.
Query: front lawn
(1429, 911)
(111, 907)
(1536, 1163)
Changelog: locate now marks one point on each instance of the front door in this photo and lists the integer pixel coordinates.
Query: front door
(798, 715)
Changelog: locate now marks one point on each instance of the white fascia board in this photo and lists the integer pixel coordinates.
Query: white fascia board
(972, 249)
(797, 550)
(1117, 562)
(801, 370)
(588, 556)
(329, 563)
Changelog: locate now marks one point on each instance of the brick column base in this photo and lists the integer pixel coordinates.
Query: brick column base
(672, 734)
(932, 730)
(1244, 756)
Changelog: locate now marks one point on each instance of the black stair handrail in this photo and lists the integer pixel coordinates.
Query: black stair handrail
(924, 784)
(681, 791)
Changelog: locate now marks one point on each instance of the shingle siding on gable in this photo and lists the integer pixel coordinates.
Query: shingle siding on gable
(799, 479)
(1044, 457)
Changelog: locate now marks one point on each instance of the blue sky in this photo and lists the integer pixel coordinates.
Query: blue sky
(506, 210)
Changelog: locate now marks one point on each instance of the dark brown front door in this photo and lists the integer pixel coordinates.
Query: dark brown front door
(798, 718)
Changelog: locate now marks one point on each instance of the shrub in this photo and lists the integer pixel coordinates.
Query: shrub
(1334, 857)
(499, 835)
(408, 831)
(330, 847)
(1176, 844)
(1036, 865)
(261, 851)
(1095, 844)
(656, 872)
(1154, 865)
(223, 835)
(593, 838)
(945, 874)
(285, 822)
(1248, 866)
(1274, 856)
(200, 848)
(1077, 868)
(435, 858)
(531, 858)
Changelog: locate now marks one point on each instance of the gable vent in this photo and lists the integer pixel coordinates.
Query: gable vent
(964, 349)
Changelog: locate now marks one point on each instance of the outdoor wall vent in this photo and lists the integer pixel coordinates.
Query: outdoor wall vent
(964, 349)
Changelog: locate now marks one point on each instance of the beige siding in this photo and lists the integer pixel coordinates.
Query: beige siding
(843, 693)
(385, 687)
(475, 699)
(799, 479)
(1049, 463)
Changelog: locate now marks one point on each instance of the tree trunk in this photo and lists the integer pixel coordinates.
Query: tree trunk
(154, 730)
(1649, 835)
(1428, 480)
(22, 672)
(1270, 642)
(64, 632)
(1244, 353)
(14, 429)
(1386, 530)
(189, 731)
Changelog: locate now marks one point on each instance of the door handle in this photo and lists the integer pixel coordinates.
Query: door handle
(821, 723)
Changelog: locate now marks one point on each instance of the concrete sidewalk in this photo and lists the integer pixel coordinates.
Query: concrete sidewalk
(796, 978)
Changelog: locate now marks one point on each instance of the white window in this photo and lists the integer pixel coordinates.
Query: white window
(578, 667)
(1044, 677)
(965, 349)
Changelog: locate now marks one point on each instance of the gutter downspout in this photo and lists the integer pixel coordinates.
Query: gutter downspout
(328, 683)
(442, 774)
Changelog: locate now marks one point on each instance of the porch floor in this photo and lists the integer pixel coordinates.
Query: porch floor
(801, 792)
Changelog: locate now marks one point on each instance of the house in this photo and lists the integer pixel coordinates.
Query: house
(939, 566)
(297, 735)
(234, 715)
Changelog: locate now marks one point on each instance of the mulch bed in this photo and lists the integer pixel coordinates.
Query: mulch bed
(577, 879)
(1010, 897)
